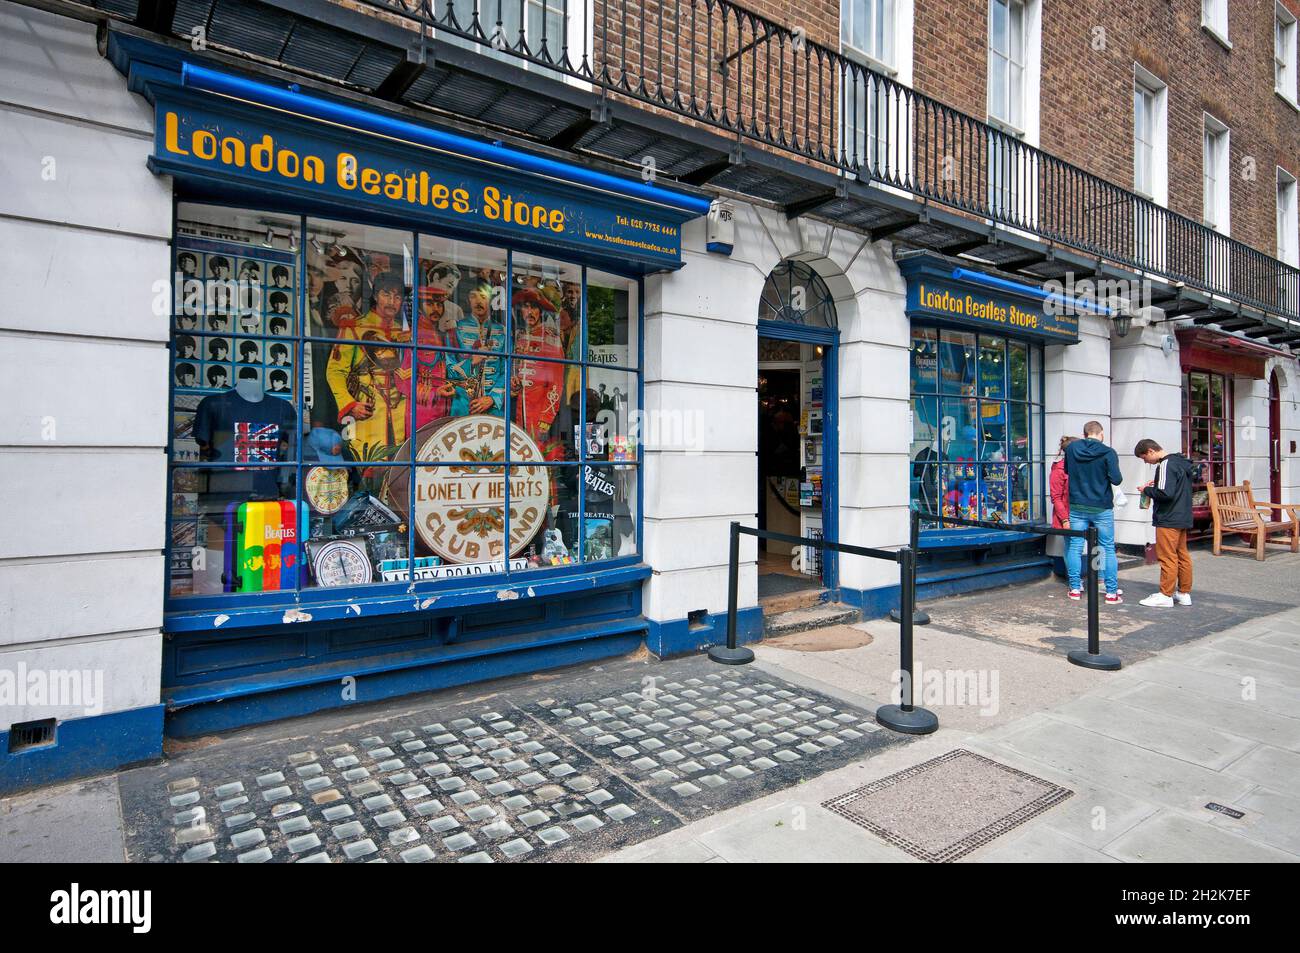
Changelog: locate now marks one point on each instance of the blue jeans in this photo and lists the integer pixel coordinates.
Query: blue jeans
(1105, 523)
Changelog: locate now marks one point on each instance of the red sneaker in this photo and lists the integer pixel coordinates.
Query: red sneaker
(1113, 598)
(1076, 594)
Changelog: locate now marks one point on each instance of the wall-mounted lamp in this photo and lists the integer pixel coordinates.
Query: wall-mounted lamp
(1123, 321)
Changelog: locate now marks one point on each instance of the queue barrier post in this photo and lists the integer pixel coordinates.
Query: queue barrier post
(919, 616)
(1093, 657)
(905, 717)
(732, 654)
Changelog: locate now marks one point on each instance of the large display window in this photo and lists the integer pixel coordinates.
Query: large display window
(1207, 433)
(977, 448)
(359, 406)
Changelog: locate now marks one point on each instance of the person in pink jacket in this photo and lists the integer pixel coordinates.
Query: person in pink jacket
(1059, 488)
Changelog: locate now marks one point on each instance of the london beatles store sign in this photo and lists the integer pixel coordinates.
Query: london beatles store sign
(224, 140)
(937, 290)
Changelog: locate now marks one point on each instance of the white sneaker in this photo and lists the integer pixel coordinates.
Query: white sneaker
(1183, 598)
(1157, 600)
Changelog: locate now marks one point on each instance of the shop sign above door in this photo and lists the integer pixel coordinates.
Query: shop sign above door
(938, 291)
(311, 149)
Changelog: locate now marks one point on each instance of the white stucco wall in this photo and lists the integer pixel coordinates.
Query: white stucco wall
(1146, 401)
(701, 357)
(84, 229)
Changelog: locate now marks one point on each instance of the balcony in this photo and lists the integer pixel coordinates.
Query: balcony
(710, 93)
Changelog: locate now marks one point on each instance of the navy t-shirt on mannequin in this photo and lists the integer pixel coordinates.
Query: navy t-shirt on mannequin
(232, 429)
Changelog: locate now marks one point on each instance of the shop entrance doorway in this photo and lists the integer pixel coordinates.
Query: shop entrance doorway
(792, 459)
(1275, 438)
(797, 435)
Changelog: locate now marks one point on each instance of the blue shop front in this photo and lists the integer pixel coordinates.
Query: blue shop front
(978, 340)
(406, 373)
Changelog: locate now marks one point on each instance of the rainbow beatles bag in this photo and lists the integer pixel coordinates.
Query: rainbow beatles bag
(261, 553)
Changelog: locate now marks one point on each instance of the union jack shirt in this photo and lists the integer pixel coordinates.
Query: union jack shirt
(256, 443)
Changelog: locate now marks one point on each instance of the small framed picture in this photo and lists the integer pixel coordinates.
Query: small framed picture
(278, 381)
(278, 354)
(187, 374)
(250, 323)
(279, 303)
(216, 376)
(248, 351)
(217, 350)
(281, 278)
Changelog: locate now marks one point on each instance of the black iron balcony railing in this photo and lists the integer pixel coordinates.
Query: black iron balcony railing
(715, 63)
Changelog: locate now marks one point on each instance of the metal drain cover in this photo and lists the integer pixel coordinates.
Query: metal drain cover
(943, 809)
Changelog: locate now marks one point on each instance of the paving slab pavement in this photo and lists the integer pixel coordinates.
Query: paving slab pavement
(1201, 713)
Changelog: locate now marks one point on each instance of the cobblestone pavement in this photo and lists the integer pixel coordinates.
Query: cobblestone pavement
(593, 761)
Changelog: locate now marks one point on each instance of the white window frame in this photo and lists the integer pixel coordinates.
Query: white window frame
(1216, 192)
(869, 113)
(1010, 169)
(1214, 19)
(1011, 63)
(1149, 232)
(1288, 220)
(880, 31)
(579, 31)
(1284, 53)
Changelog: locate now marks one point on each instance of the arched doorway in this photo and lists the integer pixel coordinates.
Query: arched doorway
(797, 429)
(1275, 436)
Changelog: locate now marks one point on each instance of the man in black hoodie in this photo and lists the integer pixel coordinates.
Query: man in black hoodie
(1171, 492)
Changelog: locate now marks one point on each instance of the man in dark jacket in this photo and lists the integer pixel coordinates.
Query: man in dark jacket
(1171, 492)
(1093, 468)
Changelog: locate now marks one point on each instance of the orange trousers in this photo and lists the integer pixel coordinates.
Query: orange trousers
(1175, 560)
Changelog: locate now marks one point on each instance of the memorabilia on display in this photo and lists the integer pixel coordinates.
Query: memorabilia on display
(592, 436)
(261, 546)
(370, 378)
(232, 295)
(608, 528)
(460, 490)
(230, 428)
(340, 562)
(620, 450)
(398, 570)
(410, 390)
(326, 489)
(477, 379)
(554, 552)
(537, 385)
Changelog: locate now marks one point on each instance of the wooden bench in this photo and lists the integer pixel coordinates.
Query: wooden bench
(1235, 512)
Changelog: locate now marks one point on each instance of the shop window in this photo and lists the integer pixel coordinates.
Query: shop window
(976, 424)
(1207, 431)
(443, 409)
